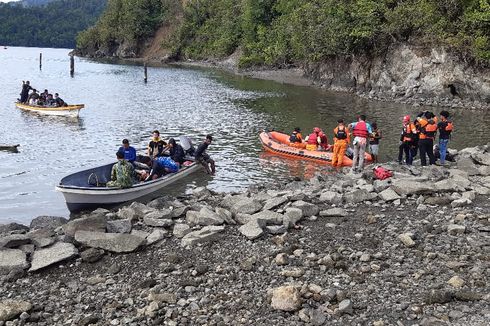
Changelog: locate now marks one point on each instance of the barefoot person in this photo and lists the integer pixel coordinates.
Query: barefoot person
(203, 158)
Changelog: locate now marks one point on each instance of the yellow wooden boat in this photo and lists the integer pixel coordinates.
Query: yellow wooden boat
(67, 111)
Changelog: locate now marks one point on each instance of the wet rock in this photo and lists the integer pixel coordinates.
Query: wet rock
(48, 222)
(58, 252)
(252, 230)
(11, 309)
(388, 195)
(307, 208)
(14, 240)
(456, 281)
(158, 223)
(334, 212)
(345, 307)
(114, 242)
(12, 259)
(286, 298)
(155, 236)
(455, 229)
(274, 202)
(180, 230)
(92, 255)
(292, 216)
(94, 224)
(406, 239)
(119, 226)
(246, 206)
(410, 187)
(206, 234)
(225, 215)
(13, 227)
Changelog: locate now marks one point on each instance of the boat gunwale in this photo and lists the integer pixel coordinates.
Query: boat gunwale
(72, 107)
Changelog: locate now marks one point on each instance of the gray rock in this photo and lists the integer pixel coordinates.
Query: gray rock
(317, 317)
(155, 236)
(276, 229)
(467, 165)
(411, 187)
(307, 208)
(438, 296)
(206, 234)
(268, 218)
(286, 298)
(331, 197)
(246, 206)
(92, 255)
(481, 158)
(380, 185)
(252, 230)
(345, 307)
(14, 240)
(243, 218)
(446, 185)
(43, 242)
(462, 202)
(119, 226)
(225, 215)
(159, 223)
(11, 309)
(229, 201)
(114, 242)
(201, 192)
(129, 213)
(358, 196)
(440, 200)
(455, 229)
(407, 240)
(292, 216)
(274, 202)
(388, 195)
(333, 212)
(12, 259)
(58, 252)
(139, 233)
(205, 217)
(48, 222)
(179, 211)
(180, 230)
(7, 228)
(94, 224)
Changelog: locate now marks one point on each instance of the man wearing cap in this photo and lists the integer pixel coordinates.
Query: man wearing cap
(407, 139)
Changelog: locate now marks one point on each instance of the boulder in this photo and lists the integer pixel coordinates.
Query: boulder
(119, 226)
(331, 197)
(56, 253)
(467, 165)
(132, 212)
(90, 223)
(230, 200)
(274, 202)
(114, 242)
(410, 187)
(380, 185)
(276, 229)
(246, 206)
(48, 222)
(268, 218)
(455, 229)
(12, 259)
(481, 158)
(307, 208)
(206, 217)
(92, 255)
(358, 196)
(225, 215)
(14, 240)
(155, 236)
(460, 202)
(158, 223)
(388, 195)
(243, 218)
(11, 309)
(13, 227)
(180, 230)
(334, 212)
(206, 234)
(252, 230)
(292, 216)
(286, 298)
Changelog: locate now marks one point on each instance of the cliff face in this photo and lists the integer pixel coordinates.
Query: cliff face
(405, 73)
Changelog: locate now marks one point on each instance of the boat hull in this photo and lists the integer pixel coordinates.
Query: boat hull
(65, 111)
(84, 198)
(278, 143)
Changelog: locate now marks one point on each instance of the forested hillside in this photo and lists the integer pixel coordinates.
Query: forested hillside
(55, 24)
(281, 32)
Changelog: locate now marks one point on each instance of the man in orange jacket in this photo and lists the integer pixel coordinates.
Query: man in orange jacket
(341, 141)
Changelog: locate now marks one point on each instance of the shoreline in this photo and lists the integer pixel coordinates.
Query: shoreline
(333, 250)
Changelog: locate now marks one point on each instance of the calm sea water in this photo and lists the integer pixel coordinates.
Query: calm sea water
(177, 101)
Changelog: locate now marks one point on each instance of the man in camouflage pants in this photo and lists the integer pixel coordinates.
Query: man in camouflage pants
(122, 173)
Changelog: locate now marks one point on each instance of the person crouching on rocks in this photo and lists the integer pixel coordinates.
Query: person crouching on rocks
(341, 141)
(203, 158)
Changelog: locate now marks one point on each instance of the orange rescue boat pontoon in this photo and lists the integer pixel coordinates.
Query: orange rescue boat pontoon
(278, 143)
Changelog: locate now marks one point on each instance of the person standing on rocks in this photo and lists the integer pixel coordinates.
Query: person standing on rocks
(374, 142)
(427, 128)
(361, 130)
(407, 139)
(445, 128)
(341, 138)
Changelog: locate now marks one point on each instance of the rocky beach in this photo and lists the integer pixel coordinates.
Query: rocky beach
(338, 249)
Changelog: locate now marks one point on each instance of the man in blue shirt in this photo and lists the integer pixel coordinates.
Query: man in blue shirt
(129, 151)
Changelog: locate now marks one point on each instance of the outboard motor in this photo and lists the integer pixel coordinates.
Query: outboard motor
(186, 144)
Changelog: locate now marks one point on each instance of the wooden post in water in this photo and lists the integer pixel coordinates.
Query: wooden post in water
(146, 72)
(40, 60)
(72, 65)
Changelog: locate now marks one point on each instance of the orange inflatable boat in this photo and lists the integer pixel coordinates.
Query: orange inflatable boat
(278, 143)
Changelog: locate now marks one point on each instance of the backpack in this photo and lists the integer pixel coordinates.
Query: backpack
(381, 173)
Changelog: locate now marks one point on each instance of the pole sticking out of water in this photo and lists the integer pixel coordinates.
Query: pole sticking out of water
(72, 65)
(40, 61)
(146, 72)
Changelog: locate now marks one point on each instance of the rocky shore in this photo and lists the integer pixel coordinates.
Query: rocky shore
(338, 249)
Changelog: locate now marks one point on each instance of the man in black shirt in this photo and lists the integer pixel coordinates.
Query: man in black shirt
(203, 158)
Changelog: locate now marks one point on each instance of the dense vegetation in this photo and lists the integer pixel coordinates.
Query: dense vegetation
(283, 32)
(55, 24)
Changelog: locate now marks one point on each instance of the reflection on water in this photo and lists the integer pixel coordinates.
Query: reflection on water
(176, 101)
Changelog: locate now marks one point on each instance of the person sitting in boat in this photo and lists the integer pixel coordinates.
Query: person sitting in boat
(161, 166)
(177, 152)
(58, 101)
(317, 140)
(156, 146)
(203, 158)
(129, 151)
(33, 97)
(122, 173)
(43, 96)
(296, 139)
(24, 93)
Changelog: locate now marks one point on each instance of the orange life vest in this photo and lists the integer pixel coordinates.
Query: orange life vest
(428, 129)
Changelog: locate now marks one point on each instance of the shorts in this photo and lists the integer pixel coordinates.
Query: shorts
(374, 149)
(204, 159)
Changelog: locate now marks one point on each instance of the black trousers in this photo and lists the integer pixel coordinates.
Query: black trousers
(426, 147)
(405, 148)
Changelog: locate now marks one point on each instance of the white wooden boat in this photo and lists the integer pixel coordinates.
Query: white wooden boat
(82, 193)
(67, 111)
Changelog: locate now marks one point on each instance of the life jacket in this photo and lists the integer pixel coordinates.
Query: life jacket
(428, 129)
(360, 130)
(340, 133)
(381, 173)
(295, 137)
(313, 139)
(407, 133)
(449, 126)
